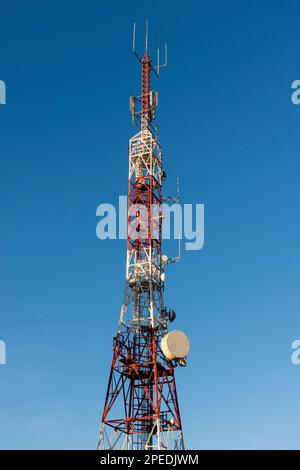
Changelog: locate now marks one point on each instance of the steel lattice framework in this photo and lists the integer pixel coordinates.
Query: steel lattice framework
(141, 407)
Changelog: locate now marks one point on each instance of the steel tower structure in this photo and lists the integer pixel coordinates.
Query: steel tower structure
(141, 408)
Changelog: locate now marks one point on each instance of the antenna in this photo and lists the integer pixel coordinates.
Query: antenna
(159, 66)
(133, 38)
(133, 43)
(155, 68)
(146, 35)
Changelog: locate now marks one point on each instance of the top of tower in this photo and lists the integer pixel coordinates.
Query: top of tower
(156, 68)
(148, 99)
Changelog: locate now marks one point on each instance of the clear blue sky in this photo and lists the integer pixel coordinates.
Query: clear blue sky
(228, 128)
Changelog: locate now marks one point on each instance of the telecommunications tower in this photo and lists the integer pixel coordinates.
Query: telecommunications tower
(141, 409)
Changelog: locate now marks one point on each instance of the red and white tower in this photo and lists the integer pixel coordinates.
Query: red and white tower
(141, 408)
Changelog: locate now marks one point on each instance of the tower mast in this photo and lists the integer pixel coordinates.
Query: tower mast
(141, 408)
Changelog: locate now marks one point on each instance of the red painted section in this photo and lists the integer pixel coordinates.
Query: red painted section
(146, 69)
